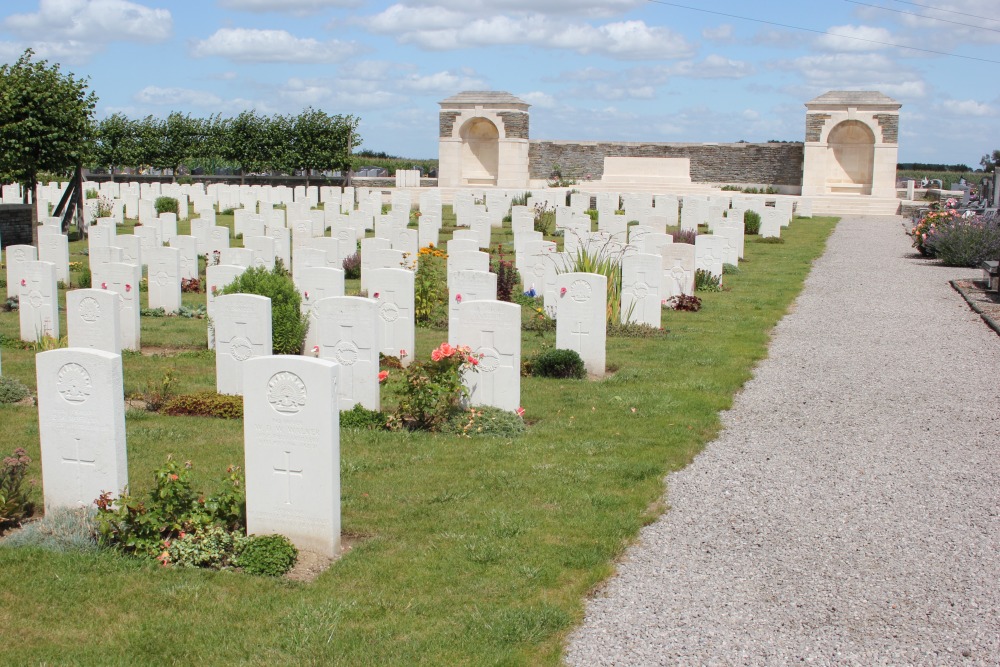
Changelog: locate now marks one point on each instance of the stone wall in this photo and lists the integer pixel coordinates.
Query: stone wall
(515, 124)
(446, 123)
(814, 125)
(889, 122)
(15, 224)
(771, 163)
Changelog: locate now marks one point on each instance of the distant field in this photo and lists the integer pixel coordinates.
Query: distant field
(946, 177)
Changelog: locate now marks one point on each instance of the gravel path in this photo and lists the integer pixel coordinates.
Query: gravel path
(848, 513)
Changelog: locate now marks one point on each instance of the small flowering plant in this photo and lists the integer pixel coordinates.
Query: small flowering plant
(433, 391)
(928, 226)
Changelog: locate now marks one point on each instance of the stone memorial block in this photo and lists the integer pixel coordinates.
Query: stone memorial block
(651, 243)
(263, 250)
(237, 256)
(732, 233)
(254, 225)
(393, 290)
(131, 247)
(407, 240)
(465, 260)
(315, 283)
(187, 250)
(292, 451)
(123, 280)
(346, 330)
(678, 269)
(804, 207)
(428, 231)
(467, 286)
(694, 212)
(493, 330)
(54, 248)
(581, 319)
(168, 226)
(770, 222)
(242, 331)
(642, 276)
(369, 247)
(330, 246)
(218, 240)
(164, 282)
(38, 301)
(148, 240)
(282, 244)
(217, 277)
(81, 426)
(784, 205)
(99, 235)
(709, 253)
(347, 238)
(99, 259)
(387, 258)
(93, 320)
(305, 258)
(519, 242)
(461, 245)
(576, 236)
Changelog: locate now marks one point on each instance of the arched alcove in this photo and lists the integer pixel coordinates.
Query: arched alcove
(480, 152)
(852, 149)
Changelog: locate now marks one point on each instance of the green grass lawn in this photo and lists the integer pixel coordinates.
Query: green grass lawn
(465, 551)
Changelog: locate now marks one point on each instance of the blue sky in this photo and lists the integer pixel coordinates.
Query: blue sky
(626, 70)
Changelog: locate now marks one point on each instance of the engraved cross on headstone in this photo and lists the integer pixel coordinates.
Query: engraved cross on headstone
(288, 471)
(77, 459)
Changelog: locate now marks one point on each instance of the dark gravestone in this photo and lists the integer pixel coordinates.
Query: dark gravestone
(15, 224)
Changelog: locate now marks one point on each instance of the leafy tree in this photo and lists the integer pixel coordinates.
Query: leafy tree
(321, 141)
(254, 142)
(178, 137)
(990, 160)
(46, 122)
(116, 143)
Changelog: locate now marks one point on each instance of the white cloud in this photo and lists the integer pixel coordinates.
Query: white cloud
(851, 71)
(177, 97)
(855, 38)
(270, 46)
(297, 7)
(92, 21)
(439, 29)
(722, 33)
(712, 67)
(578, 8)
(440, 82)
(538, 99)
(967, 108)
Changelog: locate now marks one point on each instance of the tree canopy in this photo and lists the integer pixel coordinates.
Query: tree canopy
(46, 120)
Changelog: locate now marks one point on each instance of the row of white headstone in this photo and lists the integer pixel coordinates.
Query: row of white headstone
(291, 440)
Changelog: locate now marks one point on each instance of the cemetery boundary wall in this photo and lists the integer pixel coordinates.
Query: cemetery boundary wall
(15, 224)
(741, 163)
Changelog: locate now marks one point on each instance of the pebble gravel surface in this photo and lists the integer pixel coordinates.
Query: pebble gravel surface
(849, 512)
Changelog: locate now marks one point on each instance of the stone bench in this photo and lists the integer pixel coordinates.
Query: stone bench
(991, 274)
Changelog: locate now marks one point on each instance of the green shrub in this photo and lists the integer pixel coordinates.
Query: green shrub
(706, 281)
(770, 239)
(205, 404)
(166, 205)
(965, 241)
(558, 364)
(360, 417)
(207, 546)
(61, 529)
(288, 323)
(730, 269)
(485, 420)
(267, 555)
(14, 503)
(146, 527)
(11, 390)
(352, 266)
(687, 302)
(92, 194)
(152, 312)
(433, 391)
(634, 330)
(751, 222)
(84, 278)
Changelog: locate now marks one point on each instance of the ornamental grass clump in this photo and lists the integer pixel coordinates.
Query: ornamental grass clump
(433, 391)
(605, 261)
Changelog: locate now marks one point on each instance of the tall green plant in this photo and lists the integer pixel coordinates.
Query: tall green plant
(605, 261)
(288, 324)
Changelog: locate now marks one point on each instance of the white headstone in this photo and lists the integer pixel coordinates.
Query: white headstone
(581, 321)
(292, 451)
(467, 286)
(242, 331)
(346, 330)
(642, 275)
(93, 320)
(38, 301)
(264, 251)
(393, 290)
(81, 426)
(315, 283)
(187, 249)
(678, 269)
(164, 282)
(54, 248)
(217, 277)
(369, 248)
(16, 256)
(123, 279)
(492, 329)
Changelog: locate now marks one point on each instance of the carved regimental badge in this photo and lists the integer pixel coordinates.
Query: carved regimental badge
(90, 309)
(579, 291)
(286, 392)
(73, 383)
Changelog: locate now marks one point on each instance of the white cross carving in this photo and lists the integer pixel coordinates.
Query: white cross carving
(288, 471)
(79, 461)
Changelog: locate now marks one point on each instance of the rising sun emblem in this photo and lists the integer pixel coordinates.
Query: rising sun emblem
(286, 392)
